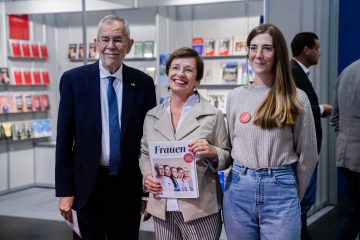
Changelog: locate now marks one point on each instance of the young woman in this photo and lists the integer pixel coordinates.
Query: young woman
(272, 132)
(185, 115)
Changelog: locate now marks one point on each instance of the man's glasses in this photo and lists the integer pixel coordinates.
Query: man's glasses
(117, 41)
(265, 50)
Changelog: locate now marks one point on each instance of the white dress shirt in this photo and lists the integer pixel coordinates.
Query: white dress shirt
(118, 86)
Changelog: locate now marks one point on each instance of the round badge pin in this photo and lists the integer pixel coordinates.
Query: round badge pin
(188, 157)
(245, 117)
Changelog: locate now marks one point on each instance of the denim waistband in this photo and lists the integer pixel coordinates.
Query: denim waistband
(286, 169)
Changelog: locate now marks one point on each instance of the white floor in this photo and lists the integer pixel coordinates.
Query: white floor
(41, 203)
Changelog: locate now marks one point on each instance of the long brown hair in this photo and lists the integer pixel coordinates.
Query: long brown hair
(281, 106)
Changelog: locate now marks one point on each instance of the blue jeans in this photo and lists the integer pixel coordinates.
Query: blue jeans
(261, 204)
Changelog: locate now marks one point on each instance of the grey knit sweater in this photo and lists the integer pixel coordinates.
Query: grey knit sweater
(258, 148)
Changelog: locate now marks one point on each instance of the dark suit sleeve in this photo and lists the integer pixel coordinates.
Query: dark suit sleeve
(150, 103)
(64, 182)
(301, 84)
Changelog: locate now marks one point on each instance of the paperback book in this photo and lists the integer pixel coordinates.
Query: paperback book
(197, 44)
(92, 51)
(239, 45)
(4, 75)
(148, 49)
(72, 51)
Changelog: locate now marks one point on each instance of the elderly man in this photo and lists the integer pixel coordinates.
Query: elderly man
(101, 114)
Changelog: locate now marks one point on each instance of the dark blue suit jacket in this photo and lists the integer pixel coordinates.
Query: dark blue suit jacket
(79, 131)
(302, 81)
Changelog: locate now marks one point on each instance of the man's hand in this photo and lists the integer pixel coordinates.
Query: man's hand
(327, 109)
(64, 205)
(146, 215)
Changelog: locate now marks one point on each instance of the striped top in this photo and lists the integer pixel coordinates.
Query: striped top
(258, 148)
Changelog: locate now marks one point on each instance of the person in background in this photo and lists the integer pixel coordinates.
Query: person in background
(346, 120)
(273, 140)
(185, 115)
(305, 49)
(180, 174)
(101, 113)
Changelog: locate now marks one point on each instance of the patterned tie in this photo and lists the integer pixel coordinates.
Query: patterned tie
(114, 128)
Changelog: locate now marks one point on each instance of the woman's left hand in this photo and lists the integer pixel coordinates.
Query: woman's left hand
(202, 148)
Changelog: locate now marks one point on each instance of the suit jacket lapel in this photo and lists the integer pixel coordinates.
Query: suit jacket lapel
(162, 125)
(191, 122)
(129, 88)
(93, 86)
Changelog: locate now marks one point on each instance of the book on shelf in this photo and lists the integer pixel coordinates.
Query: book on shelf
(81, 51)
(19, 26)
(174, 154)
(4, 75)
(239, 45)
(45, 79)
(150, 71)
(4, 104)
(29, 129)
(209, 47)
(72, 51)
(224, 47)
(36, 78)
(25, 49)
(14, 48)
(6, 128)
(245, 74)
(28, 102)
(19, 131)
(27, 79)
(43, 50)
(16, 76)
(218, 99)
(34, 48)
(35, 103)
(197, 44)
(138, 49)
(17, 103)
(230, 72)
(44, 102)
(149, 49)
(212, 73)
(92, 51)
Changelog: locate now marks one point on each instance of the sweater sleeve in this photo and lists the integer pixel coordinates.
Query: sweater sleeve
(305, 144)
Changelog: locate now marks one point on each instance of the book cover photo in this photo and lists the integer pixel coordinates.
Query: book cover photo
(174, 166)
(197, 44)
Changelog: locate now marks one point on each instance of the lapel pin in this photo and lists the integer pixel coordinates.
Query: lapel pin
(132, 84)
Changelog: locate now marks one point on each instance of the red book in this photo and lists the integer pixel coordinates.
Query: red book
(15, 50)
(36, 76)
(45, 77)
(17, 77)
(34, 47)
(19, 27)
(25, 49)
(27, 76)
(36, 103)
(43, 50)
(44, 102)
